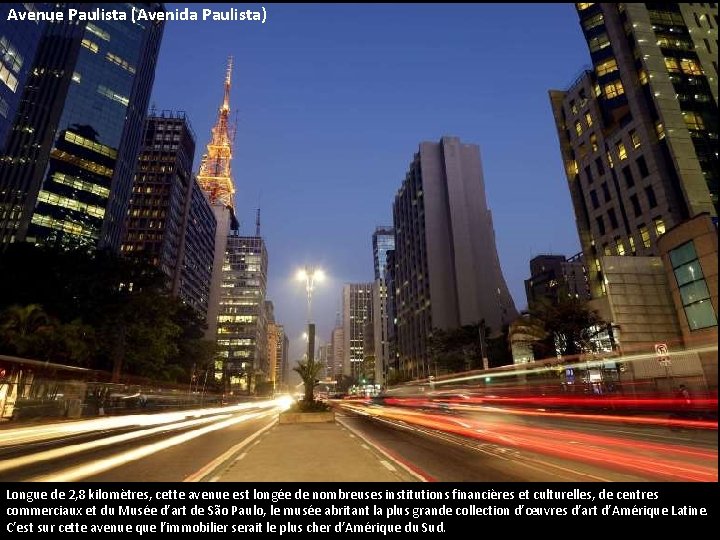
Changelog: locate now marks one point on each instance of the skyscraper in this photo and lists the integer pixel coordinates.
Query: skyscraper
(638, 133)
(553, 275)
(170, 221)
(338, 349)
(18, 43)
(357, 303)
(448, 271)
(215, 178)
(383, 239)
(68, 167)
(241, 324)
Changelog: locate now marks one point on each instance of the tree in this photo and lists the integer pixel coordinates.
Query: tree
(569, 325)
(24, 328)
(456, 349)
(308, 371)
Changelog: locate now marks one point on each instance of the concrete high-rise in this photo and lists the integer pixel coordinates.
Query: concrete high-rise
(241, 322)
(638, 133)
(338, 349)
(357, 302)
(18, 43)
(170, 222)
(448, 271)
(69, 160)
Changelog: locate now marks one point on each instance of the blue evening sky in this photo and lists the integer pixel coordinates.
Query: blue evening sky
(332, 103)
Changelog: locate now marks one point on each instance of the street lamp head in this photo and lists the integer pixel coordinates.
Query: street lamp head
(301, 275)
(319, 275)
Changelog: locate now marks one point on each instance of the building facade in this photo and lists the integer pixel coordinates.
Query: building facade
(638, 133)
(68, 168)
(338, 349)
(18, 44)
(357, 298)
(241, 322)
(553, 275)
(170, 222)
(383, 240)
(447, 269)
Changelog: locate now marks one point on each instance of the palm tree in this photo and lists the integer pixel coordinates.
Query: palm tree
(23, 327)
(308, 371)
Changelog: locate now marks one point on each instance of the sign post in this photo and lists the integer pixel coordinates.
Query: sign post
(663, 354)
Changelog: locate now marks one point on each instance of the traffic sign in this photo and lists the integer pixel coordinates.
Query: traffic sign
(663, 353)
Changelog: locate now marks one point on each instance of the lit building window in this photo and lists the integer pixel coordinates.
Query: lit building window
(8, 78)
(593, 21)
(583, 7)
(643, 77)
(593, 142)
(645, 236)
(598, 43)
(660, 130)
(671, 64)
(102, 34)
(87, 143)
(631, 241)
(71, 204)
(588, 119)
(578, 128)
(622, 152)
(659, 226)
(108, 93)
(635, 138)
(690, 67)
(608, 66)
(693, 121)
(90, 45)
(693, 287)
(613, 89)
(10, 56)
(620, 246)
(610, 160)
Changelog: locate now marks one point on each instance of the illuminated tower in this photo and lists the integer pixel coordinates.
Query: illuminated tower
(215, 178)
(214, 175)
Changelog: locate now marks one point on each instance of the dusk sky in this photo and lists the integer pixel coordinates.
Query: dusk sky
(333, 101)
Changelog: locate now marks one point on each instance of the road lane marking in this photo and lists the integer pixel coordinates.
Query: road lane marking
(75, 473)
(227, 456)
(387, 465)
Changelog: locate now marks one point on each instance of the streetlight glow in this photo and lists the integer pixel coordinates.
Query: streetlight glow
(310, 275)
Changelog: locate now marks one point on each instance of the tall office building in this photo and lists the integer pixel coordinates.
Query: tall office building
(383, 240)
(170, 221)
(241, 322)
(356, 305)
(638, 133)
(282, 370)
(447, 268)
(338, 349)
(68, 167)
(215, 178)
(18, 43)
(552, 276)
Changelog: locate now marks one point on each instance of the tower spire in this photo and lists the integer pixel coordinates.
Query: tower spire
(257, 223)
(215, 176)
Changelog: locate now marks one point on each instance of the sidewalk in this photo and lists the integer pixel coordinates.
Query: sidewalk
(316, 452)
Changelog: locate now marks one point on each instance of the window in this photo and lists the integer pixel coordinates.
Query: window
(583, 7)
(578, 128)
(693, 121)
(608, 66)
(635, 138)
(690, 67)
(600, 166)
(693, 287)
(642, 166)
(650, 193)
(89, 45)
(606, 191)
(573, 106)
(631, 241)
(588, 175)
(610, 159)
(660, 130)
(636, 205)
(645, 236)
(598, 43)
(593, 21)
(619, 246)
(600, 224)
(627, 173)
(659, 226)
(671, 64)
(622, 152)
(643, 77)
(613, 89)
(594, 199)
(593, 142)
(607, 250)
(588, 119)
(613, 218)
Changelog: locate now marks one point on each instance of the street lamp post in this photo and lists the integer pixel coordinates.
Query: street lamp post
(310, 275)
